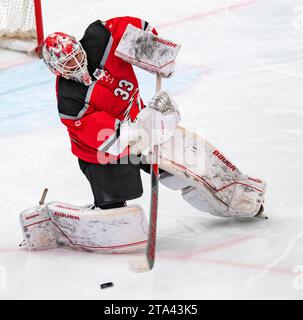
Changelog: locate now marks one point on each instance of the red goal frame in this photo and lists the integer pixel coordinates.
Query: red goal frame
(39, 27)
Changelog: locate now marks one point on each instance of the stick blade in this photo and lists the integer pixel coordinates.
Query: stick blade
(141, 265)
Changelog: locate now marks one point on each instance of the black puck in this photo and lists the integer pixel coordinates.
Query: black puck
(106, 285)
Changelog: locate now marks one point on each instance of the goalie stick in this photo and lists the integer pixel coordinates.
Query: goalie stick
(154, 172)
(156, 55)
(147, 262)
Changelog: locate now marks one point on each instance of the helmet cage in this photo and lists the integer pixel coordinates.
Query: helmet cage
(78, 69)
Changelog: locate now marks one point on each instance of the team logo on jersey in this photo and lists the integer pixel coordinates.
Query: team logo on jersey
(103, 75)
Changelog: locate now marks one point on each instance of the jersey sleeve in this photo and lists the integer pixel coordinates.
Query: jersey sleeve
(86, 125)
(97, 130)
(118, 25)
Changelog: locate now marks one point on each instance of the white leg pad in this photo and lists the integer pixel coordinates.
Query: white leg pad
(221, 188)
(200, 202)
(172, 182)
(245, 200)
(62, 225)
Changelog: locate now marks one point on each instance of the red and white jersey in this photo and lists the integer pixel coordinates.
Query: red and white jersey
(92, 113)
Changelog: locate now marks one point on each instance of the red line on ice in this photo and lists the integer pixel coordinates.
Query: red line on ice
(246, 266)
(216, 246)
(208, 13)
(227, 243)
(163, 25)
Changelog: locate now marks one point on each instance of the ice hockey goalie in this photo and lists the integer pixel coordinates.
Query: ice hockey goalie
(107, 122)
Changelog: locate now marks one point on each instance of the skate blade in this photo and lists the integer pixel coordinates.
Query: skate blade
(262, 216)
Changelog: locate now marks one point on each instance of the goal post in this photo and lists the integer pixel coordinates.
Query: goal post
(21, 25)
(39, 27)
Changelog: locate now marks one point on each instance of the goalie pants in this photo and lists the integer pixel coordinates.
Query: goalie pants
(113, 184)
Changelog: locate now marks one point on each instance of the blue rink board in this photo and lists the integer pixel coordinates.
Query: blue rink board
(28, 100)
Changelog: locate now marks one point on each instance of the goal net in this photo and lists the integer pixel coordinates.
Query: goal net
(21, 25)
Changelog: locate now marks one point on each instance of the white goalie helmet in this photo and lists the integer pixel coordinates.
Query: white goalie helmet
(65, 57)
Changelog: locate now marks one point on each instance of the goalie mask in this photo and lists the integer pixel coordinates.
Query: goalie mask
(65, 57)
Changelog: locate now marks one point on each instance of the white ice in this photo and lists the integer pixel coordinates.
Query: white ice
(239, 82)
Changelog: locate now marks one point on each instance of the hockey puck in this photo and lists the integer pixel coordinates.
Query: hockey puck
(106, 285)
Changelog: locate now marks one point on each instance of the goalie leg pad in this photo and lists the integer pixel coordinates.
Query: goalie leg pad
(62, 225)
(202, 202)
(245, 201)
(172, 182)
(38, 229)
(248, 196)
(221, 188)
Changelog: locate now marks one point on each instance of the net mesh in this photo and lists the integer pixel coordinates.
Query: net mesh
(17, 19)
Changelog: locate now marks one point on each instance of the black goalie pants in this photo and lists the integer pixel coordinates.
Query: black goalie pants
(113, 184)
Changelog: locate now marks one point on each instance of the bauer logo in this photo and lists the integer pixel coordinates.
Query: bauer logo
(165, 42)
(3, 278)
(298, 280)
(68, 216)
(224, 160)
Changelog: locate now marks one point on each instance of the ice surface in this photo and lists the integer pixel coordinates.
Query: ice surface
(238, 80)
